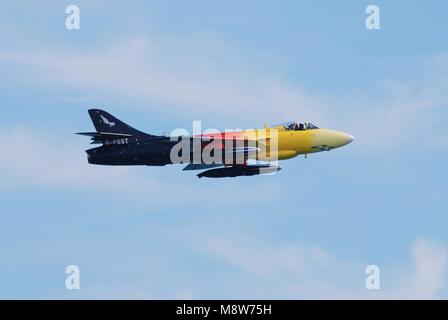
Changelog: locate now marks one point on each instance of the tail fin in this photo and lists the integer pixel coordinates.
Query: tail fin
(105, 122)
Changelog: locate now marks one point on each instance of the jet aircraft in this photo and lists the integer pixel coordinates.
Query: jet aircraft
(220, 154)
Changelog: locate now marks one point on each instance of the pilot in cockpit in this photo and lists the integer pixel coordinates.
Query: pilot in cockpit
(299, 126)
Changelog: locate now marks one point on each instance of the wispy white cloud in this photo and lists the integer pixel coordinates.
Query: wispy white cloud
(398, 114)
(429, 273)
(189, 79)
(167, 72)
(261, 259)
(29, 159)
(304, 271)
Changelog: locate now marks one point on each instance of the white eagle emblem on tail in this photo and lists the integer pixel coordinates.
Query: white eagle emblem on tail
(105, 121)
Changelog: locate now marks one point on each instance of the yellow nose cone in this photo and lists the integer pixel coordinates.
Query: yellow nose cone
(338, 139)
(332, 138)
(345, 138)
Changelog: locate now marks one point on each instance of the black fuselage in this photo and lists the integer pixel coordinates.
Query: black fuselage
(132, 151)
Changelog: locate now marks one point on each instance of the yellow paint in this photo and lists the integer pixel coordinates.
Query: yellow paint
(279, 143)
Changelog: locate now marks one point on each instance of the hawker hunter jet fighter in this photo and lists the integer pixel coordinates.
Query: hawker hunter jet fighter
(220, 154)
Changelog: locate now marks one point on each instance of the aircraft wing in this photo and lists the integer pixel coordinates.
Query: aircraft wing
(202, 166)
(99, 137)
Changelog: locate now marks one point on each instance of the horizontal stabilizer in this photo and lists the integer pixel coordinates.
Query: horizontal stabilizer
(100, 137)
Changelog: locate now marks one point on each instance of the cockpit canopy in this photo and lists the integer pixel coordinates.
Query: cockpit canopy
(296, 126)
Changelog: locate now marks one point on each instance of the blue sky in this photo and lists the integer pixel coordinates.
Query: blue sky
(147, 232)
